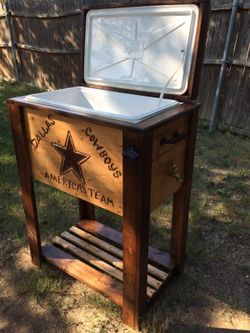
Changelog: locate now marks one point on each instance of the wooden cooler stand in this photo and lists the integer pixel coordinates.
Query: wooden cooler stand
(143, 164)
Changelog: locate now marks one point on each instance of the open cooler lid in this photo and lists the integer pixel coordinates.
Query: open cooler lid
(141, 48)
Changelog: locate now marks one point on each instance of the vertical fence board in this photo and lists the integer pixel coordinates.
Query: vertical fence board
(6, 59)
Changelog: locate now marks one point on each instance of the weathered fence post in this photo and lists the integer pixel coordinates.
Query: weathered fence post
(12, 38)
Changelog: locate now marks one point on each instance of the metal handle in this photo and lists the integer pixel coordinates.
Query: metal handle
(176, 137)
(173, 172)
(131, 153)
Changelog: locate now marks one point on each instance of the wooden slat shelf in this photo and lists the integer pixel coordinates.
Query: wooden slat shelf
(102, 283)
(97, 262)
(156, 257)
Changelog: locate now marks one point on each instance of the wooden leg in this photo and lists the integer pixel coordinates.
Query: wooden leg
(26, 183)
(182, 199)
(136, 208)
(86, 210)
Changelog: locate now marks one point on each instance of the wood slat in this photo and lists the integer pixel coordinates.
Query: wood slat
(45, 15)
(95, 240)
(114, 250)
(102, 283)
(156, 257)
(47, 50)
(117, 262)
(96, 262)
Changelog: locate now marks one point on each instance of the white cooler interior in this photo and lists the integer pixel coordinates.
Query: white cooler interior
(114, 105)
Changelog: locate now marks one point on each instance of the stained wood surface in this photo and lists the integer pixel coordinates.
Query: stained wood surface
(164, 180)
(167, 131)
(95, 261)
(181, 200)
(95, 176)
(82, 248)
(136, 218)
(86, 210)
(116, 253)
(102, 283)
(166, 157)
(26, 183)
(156, 257)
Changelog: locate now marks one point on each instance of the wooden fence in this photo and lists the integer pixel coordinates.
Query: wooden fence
(46, 52)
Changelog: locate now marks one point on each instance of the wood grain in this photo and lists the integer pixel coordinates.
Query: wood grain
(136, 214)
(114, 251)
(26, 183)
(92, 255)
(102, 283)
(179, 125)
(164, 183)
(100, 185)
(156, 257)
(181, 200)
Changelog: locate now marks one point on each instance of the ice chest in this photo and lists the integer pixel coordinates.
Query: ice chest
(113, 142)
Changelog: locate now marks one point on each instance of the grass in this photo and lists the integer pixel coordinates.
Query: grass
(217, 274)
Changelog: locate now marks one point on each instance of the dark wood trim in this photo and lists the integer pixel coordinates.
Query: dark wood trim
(199, 51)
(181, 200)
(26, 183)
(136, 215)
(86, 210)
(144, 125)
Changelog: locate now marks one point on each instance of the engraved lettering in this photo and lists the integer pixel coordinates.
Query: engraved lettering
(34, 143)
(107, 159)
(52, 121)
(88, 131)
(98, 147)
(103, 153)
(110, 202)
(117, 174)
(112, 167)
(97, 195)
(80, 188)
(91, 192)
(41, 134)
(38, 138)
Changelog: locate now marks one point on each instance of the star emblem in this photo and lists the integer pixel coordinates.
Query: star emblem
(71, 159)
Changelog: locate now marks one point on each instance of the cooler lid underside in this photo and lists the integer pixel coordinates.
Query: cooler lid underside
(141, 48)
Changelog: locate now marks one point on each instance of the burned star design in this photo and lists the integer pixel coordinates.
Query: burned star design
(71, 158)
